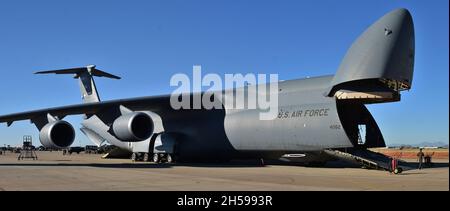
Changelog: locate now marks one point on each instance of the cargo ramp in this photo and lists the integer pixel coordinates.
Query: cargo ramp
(367, 158)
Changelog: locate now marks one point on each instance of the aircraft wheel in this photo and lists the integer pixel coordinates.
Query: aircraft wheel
(169, 158)
(397, 171)
(146, 158)
(156, 158)
(134, 157)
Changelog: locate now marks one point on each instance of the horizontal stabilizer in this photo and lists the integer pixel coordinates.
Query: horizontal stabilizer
(91, 69)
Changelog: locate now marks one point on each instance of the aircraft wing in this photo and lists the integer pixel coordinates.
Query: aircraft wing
(153, 103)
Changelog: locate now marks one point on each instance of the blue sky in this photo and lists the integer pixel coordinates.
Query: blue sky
(146, 42)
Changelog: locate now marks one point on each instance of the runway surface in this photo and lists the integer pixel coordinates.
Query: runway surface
(89, 172)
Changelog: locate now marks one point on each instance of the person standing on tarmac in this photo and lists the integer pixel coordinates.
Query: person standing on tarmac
(420, 156)
(390, 165)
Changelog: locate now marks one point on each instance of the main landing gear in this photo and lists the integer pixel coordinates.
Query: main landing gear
(163, 158)
(155, 157)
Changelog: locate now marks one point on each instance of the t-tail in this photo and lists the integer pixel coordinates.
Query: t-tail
(85, 75)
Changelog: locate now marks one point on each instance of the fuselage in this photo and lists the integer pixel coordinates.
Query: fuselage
(307, 120)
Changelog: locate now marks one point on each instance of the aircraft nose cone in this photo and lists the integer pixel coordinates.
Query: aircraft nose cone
(401, 62)
(384, 51)
(398, 21)
(402, 14)
(399, 13)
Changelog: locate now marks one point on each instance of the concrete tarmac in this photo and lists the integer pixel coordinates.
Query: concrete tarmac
(53, 171)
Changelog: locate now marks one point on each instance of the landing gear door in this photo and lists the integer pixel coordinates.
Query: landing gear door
(164, 143)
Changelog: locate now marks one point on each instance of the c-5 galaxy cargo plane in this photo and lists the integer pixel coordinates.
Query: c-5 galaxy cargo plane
(318, 117)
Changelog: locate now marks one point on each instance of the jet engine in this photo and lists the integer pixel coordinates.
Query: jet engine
(57, 134)
(134, 126)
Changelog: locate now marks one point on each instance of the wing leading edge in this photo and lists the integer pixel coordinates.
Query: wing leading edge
(153, 103)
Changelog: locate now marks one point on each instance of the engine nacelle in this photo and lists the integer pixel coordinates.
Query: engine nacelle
(57, 134)
(135, 126)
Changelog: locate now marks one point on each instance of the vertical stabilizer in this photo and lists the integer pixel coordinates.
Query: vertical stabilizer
(85, 75)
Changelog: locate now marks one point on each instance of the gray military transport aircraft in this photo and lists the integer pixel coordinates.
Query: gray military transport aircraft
(318, 118)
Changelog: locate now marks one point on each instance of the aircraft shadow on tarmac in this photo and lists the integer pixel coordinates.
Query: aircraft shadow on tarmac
(232, 164)
(97, 165)
(137, 165)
